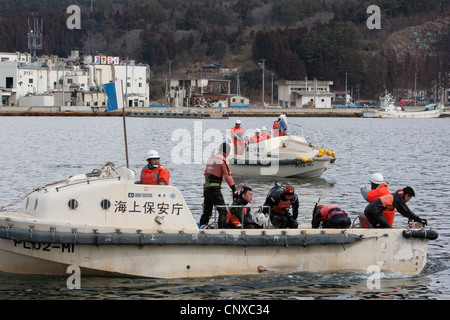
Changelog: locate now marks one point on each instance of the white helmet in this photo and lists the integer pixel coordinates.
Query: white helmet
(152, 154)
(238, 122)
(263, 129)
(376, 178)
(261, 219)
(257, 131)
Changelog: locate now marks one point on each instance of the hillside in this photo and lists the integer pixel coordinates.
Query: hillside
(314, 38)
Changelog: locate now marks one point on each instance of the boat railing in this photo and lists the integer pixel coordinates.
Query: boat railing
(260, 209)
(308, 130)
(87, 181)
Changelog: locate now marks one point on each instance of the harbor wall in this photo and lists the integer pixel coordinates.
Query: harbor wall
(162, 112)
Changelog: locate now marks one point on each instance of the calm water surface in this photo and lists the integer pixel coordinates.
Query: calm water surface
(35, 151)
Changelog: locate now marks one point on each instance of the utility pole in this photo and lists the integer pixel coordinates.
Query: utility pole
(263, 67)
(415, 92)
(272, 91)
(346, 89)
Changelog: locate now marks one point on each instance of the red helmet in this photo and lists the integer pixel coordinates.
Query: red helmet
(288, 189)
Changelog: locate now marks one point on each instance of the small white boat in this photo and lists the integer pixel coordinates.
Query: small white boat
(108, 224)
(389, 110)
(285, 156)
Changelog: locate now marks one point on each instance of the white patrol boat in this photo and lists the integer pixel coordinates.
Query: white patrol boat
(389, 110)
(107, 224)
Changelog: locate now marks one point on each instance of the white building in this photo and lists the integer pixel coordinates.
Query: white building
(304, 94)
(69, 81)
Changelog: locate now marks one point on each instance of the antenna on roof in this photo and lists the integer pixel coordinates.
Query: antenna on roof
(34, 35)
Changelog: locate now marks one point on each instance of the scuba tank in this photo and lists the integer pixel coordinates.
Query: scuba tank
(275, 189)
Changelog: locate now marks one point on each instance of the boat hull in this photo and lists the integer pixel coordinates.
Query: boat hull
(296, 169)
(402, 114)
(386, 249)
(111, 225)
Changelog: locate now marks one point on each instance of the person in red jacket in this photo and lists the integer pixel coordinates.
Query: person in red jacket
(378, 189)
(330, 217)
(278, 130)
(154, 173)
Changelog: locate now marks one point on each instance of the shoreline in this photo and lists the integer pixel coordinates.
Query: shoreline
(202, 113)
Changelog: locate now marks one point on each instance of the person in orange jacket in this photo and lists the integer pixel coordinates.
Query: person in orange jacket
(217, 168)
(397, 200)
(264, 135)
(256, 138)
(237, 135)
(154, 173)
(378, 189)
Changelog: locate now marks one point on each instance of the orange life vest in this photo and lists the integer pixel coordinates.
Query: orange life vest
(159, 175)
(236, 130)
(282, 207)
(255, 139)
(389, 211)
(380, 191)
(233, 219)
(327, 212)
(275, 130)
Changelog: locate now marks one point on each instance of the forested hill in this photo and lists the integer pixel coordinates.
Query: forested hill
(297, 38)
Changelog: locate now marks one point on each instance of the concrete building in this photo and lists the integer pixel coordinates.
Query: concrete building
(305, 94)
(198, 92)
(69, 81)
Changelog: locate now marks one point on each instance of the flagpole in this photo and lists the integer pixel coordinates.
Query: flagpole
(125, 130)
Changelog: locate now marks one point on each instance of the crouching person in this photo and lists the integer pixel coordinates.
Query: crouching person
(280, 201)
(241, 216)
(330, 217)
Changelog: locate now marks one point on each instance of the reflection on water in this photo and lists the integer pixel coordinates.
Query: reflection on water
(267, 286)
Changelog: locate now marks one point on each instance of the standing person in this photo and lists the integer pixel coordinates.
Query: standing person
(154, 173)
(278, 130)
(238, 217)
(237, 136)
(256, 138)
(280, 201)
(217, 168)
(378, 189)
(264, 135)
(397, 200)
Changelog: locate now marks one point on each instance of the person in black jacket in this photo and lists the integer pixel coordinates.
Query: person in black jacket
(280, 201)
(239, 215)
(397, 200)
